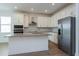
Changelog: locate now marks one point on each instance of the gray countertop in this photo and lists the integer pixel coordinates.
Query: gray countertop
(29, 34)
(25, 34)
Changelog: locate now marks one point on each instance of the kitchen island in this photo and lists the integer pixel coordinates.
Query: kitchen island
(28, 42)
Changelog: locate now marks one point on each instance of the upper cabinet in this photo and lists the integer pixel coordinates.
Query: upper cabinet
(43, 22)
(26, 21)
(65, 12)
(31, 20)
(36, 21)
(18, 19)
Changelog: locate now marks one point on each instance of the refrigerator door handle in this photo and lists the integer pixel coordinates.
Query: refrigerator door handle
(59, 31)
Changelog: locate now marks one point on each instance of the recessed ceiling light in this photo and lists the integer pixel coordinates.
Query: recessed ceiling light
(32, 9)
(15, 7)
(45, 10)
(53, 4)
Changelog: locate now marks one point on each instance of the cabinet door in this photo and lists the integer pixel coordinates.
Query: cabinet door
(39, 22)
(54, 21)
(49, 22)
(43, 22)
(26, 21)
(18, 19)
(15, 19)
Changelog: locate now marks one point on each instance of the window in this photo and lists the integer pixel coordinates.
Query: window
(5, 24)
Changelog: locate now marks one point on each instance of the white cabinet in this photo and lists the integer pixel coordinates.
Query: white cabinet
(43, 22)
(65, 12)
(18, 19)
(53, 38)
(26, 21)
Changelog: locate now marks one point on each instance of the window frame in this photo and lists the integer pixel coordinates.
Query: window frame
(5, 24)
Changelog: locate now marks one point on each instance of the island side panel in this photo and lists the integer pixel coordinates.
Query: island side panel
(19, 45)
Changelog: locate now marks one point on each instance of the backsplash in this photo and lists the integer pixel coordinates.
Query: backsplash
(30, 29)
(40, 29)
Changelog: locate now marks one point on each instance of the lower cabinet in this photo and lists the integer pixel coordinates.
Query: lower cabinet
(54, 38)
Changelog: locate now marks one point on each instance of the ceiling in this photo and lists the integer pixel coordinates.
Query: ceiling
(33, 7)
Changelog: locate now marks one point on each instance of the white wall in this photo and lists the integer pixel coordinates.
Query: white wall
(4, 40)
(77, 29)
(3, 49)
(8, 13)
(66, 11)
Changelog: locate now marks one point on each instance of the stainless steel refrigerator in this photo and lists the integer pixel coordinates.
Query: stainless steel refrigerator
(66, 35)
